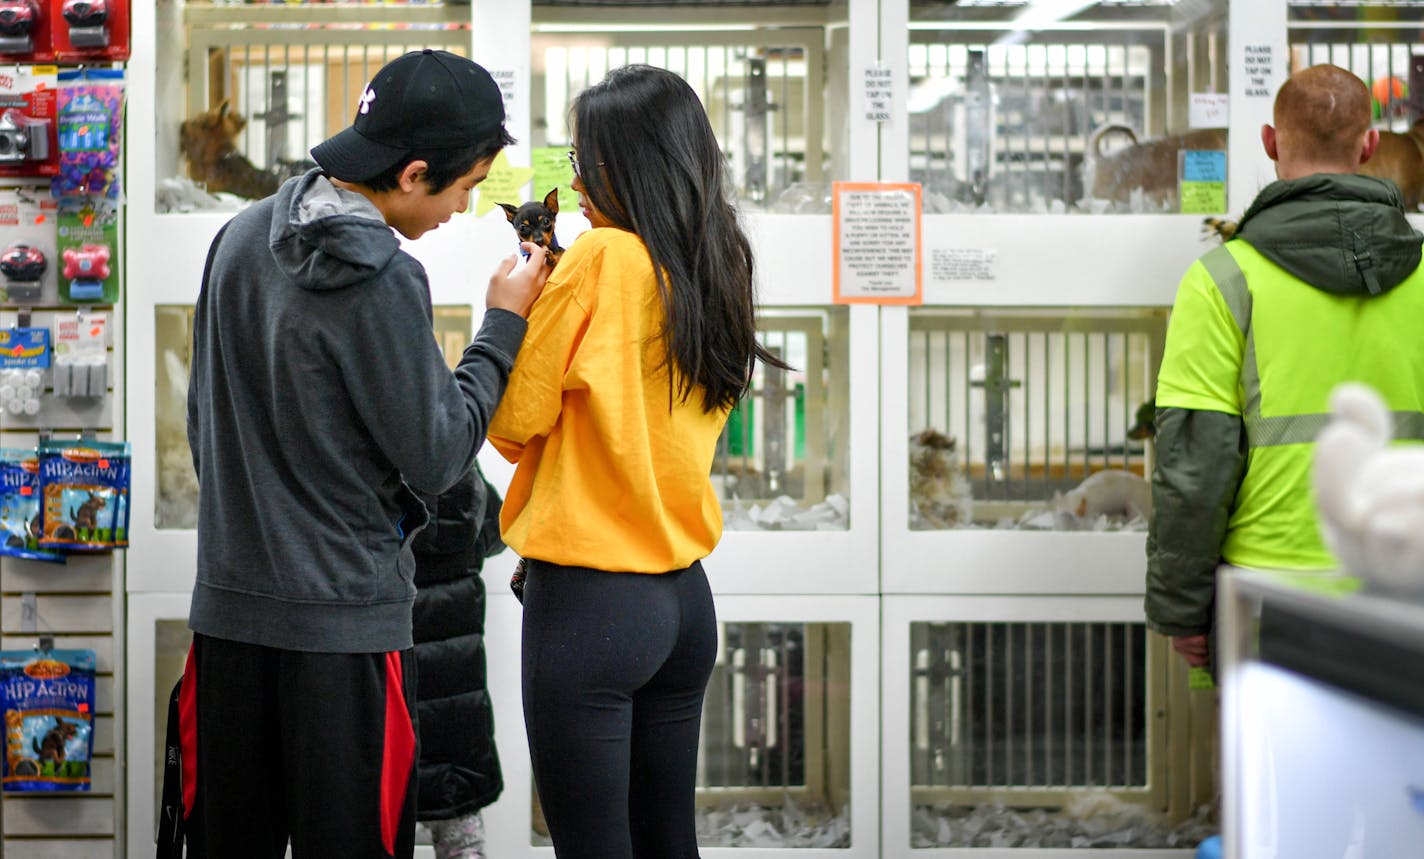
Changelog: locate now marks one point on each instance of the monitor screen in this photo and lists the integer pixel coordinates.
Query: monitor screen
(1325, 773)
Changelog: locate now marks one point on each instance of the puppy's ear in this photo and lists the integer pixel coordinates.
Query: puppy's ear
(551, 201)
(229, 119)
(509, 211)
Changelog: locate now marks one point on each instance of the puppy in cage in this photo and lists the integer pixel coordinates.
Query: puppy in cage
(940, 494)
(1145, 169)
(643, 342)
(1400, 159)
(209, 142)
(1112, 494)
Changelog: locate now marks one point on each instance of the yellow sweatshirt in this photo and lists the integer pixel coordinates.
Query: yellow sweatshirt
(612, 471)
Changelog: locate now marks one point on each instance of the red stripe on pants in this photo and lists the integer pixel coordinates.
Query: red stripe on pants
(188, 730)
(399, 754)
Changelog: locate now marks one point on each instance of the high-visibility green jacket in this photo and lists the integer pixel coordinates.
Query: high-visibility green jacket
(1322, 285)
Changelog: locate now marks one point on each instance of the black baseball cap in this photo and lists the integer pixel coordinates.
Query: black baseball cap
(422, 100)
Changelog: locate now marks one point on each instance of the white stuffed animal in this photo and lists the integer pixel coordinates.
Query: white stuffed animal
(1370, 494)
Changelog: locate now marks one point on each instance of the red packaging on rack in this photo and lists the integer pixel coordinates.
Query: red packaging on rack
(25, 31)
(90, 30)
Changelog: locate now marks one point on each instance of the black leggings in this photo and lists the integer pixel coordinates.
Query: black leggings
(615, 668)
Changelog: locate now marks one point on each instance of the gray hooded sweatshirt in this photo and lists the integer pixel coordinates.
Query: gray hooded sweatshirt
(318, 400)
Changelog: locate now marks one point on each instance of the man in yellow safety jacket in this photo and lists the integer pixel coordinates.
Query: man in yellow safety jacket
(1321, 285)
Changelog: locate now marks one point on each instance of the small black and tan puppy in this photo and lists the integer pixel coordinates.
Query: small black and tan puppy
(534, 222)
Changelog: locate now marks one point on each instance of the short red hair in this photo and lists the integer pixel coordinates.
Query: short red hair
(1321, 113)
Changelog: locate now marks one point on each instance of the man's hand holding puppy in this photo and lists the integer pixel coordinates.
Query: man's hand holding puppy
(516, 282)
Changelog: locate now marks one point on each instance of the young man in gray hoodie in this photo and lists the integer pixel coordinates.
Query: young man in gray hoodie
(319, 401)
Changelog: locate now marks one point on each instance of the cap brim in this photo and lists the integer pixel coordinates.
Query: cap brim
(352, 157)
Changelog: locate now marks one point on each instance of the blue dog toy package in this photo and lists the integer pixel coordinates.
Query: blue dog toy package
(49, 719)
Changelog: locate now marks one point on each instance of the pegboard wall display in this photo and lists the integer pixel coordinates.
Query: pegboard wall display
(64, 464)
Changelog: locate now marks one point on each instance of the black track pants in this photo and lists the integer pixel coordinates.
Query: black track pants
(316, 747)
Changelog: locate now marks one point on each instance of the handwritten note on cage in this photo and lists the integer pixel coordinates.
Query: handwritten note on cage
(1209, 110)
(876, 230)
(1203, 182)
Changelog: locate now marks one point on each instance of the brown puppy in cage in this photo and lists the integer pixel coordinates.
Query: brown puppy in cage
(209, 142)
(1400, 158)
(1148, 165)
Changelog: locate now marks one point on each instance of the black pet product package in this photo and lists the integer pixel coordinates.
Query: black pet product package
(49, 719)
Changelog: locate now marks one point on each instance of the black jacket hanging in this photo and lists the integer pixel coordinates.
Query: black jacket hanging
(459, 769)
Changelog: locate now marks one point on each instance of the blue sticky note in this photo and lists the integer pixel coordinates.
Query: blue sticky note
(1204, 166)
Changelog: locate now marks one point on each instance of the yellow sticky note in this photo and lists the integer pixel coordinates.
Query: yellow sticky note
(1203, 198)
(552, 170)
(505, 184)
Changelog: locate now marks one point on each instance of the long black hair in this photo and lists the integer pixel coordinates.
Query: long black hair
(650, 163)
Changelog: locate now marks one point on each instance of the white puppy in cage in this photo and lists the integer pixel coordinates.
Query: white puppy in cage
(1112, 493)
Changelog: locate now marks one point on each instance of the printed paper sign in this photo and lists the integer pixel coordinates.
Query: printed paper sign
(879, 93)
(1258, 71)
(953, 264)
(508, 83)
(876, 235)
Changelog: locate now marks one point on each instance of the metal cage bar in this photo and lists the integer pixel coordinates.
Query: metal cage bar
(1021, 712)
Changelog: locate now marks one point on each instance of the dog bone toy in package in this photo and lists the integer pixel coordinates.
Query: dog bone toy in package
(49, 719)
(84, 493)
(20, 507)
(88, 239)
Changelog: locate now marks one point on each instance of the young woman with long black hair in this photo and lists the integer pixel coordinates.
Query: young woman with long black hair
(639, 346)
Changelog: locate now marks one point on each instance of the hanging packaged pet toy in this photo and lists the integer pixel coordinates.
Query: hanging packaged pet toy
(24, 31)
(48, 698)
(90, 133)
(24, 269)
(84, 490)
(20, 524)
(87, 268)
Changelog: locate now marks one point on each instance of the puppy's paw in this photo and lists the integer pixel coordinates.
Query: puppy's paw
(1218, 228)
